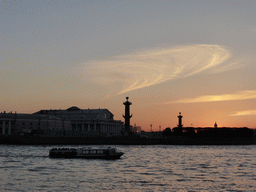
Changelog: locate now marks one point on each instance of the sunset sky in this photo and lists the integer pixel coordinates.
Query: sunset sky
(193, 57)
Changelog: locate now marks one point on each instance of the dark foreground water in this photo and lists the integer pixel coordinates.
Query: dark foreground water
(141, 168)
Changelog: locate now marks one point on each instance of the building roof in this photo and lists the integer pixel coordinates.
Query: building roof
(73, 108)
(74, 113)
(27, 116)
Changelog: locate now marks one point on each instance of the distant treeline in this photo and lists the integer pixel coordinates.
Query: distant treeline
(224, 132)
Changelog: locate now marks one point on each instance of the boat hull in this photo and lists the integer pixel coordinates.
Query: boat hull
(117, 156)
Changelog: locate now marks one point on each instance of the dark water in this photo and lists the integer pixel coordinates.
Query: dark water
(141, 168)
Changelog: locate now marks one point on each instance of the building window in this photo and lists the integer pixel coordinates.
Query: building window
(73, 127)
(79, 127)
(86, 127)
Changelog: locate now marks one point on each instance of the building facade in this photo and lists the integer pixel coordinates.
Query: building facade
(72, 122)
(88, 122)
(22, 124)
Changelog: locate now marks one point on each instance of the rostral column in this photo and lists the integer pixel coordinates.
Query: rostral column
(127, 116)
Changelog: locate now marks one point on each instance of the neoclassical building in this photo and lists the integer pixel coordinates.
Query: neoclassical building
(70, 122)
(21, 124)
(87, 122)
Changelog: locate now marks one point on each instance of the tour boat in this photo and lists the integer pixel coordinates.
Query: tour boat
(86, 152)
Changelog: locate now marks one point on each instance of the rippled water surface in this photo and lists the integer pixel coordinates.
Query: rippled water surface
(141, 168)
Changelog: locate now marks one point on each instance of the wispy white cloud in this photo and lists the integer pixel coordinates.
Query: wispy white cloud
(150, 67)
(242, 95)
(233, 63)
(246, 112)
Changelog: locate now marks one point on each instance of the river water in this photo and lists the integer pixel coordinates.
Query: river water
(141, 168)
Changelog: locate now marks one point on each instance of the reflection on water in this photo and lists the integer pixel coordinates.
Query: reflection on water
(141, 168)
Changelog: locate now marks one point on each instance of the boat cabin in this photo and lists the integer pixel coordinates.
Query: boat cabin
(100, 151)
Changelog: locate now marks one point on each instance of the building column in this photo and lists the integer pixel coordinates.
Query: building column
(94, 125)
(101, 128)
(83, 127)
(9, 128)
(89, 126)
(3, 131)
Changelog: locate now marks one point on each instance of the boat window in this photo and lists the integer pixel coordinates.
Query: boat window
(99, 151)
(93, 152)
(85, 152)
